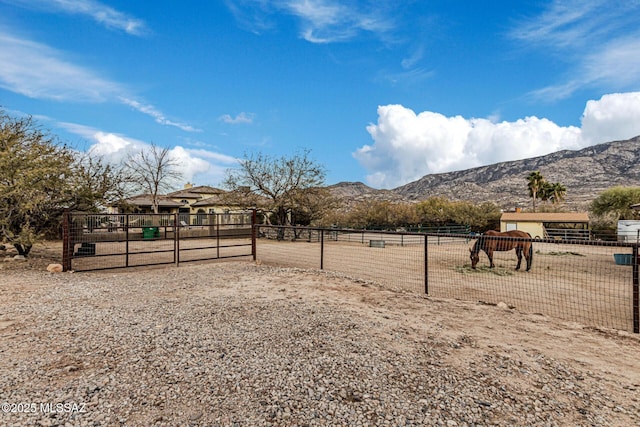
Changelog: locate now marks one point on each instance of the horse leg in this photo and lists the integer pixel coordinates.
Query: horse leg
(519, 254)
(490, 255)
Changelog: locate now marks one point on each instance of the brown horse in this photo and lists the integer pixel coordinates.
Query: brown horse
(503, 241)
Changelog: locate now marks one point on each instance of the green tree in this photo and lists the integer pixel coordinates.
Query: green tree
(434, 209)
(479, 217)
(95, 183)
(276, 186)
(615, 203)
(441, 210)
(40, 178)
(535, 183)
(311, 205)
(34, 187)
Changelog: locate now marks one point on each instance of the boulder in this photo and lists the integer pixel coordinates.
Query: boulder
(54, 268)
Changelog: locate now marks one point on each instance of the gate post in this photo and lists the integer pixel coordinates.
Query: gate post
(176, 248)
(126, 240)
(217, 217)
(253, 233)
(426, 266)
(636, 292)
(67, 245)
(177, 228)
(321, 248)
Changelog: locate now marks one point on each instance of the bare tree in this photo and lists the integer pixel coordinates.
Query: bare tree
(152, 171)
(276, 185)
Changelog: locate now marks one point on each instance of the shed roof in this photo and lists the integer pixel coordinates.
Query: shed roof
(575, 217)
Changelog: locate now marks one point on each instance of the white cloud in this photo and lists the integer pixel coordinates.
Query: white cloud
(242, 118)
(409, 62)
(37, 71)
(613, 117)
(159, 117)
(217, 157)
(192, 167)
(598, 42)
(102, 14)
(320, 21)
(408, 146)
(199, 165)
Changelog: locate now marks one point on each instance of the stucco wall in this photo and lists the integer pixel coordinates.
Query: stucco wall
(533, 228)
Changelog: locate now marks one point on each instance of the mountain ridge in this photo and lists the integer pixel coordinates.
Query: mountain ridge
(585, 173)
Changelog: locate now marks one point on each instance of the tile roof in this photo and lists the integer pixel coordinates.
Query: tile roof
(194, 192)
(145, 200)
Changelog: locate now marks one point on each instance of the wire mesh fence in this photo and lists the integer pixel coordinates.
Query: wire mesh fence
(104, 241)
(591, 282)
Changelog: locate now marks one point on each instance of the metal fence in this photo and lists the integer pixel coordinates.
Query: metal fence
(104, 241)
(594, 283)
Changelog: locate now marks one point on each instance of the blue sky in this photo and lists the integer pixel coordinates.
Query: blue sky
(380, 92)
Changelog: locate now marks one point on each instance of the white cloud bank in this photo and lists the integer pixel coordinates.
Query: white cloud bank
(408, 146)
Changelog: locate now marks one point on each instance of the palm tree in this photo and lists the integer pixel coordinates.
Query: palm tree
(535, 184)
(545, 192)
(558, 191)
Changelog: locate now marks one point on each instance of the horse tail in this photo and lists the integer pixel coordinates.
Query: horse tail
(530, 252)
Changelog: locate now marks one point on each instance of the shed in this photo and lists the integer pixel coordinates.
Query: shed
(546, 225)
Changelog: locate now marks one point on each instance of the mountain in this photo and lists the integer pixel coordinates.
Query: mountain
(359, 190)
(585, 173)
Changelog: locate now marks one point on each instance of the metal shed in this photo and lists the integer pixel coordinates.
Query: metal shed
(544, 225)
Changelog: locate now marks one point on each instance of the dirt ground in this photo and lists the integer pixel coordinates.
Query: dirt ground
(603, 359)
(572, 282)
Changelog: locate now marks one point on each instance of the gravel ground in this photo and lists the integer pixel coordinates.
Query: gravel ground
(235, 343)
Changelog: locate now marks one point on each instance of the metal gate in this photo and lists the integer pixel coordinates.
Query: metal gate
(105, 241)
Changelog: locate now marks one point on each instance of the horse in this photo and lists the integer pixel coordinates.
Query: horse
(503, 241)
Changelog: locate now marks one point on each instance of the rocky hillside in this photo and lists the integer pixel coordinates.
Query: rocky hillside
(585, 173)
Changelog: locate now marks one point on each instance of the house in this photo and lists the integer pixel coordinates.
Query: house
(190, 195)
(143, 203)
(192, 203)
(544, 225)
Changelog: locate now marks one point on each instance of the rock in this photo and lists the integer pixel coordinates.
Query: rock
(54, 268)
(19, 258)
(503, 305)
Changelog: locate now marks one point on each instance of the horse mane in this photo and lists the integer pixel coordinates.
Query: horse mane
(478, 245)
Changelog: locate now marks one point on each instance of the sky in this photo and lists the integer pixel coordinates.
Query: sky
(382, 92)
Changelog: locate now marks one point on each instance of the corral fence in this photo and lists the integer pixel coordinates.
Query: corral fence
(105, 241)
(594, 283)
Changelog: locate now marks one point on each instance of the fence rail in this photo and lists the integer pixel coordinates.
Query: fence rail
(104, 241)
(591, 282)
